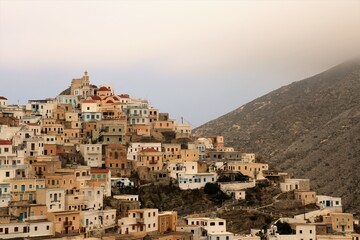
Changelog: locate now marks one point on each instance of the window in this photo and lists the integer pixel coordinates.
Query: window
(7, 174)
(212, 224)
(35, 228)
(300, 231)
(16, 229)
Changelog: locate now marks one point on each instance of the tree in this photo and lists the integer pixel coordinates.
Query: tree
(224, 178)
(283, 228)
(211, 188)
(357, 228)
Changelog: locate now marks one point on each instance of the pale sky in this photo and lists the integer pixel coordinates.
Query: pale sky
(196, 59)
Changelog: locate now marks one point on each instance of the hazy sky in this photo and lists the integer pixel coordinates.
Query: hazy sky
(196, 59)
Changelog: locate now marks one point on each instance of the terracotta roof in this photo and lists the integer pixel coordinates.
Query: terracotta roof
(3, 98)
(99, 170)
(149, 150)
(103, 89)
(58, 151)
(109, 101)
(124, 96)
(5, 142)
(33, 124)
(95, 98)
(89, 101)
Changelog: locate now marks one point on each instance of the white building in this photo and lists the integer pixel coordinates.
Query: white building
(31, 229)
(182, 128)
(305, 232)
(3, 101)
(127, 197)
(97, 219)
(139, 221)
(137, 147)
(85, 198)
(45, 108)
(34, 147)
(295, 184)
(177, 169)
(248, 157)
(67, 99)
(212, 227)
(121, 182)
(16, 111)
(137, 113)
(196, 180)
(92, 154)
(54, 198)
(90, 111)
(5, 196)
(7, 173)
(328, 202)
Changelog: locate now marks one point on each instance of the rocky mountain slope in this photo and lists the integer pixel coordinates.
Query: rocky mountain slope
(310, 128)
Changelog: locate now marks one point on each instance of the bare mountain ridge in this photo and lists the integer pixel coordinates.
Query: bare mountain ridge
(310, 128)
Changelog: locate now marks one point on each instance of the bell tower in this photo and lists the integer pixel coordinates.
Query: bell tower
(86, 85)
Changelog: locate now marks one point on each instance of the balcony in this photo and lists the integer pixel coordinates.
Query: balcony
(140, 220)
(68, 224)
(153, 161)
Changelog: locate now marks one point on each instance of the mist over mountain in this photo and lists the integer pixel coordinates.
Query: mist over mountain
(309, 128)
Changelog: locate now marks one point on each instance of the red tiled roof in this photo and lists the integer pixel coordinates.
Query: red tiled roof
(149, 150)
(33, 124)
(58, 151)
(99, 170)
(103, 89)
(3, 98)
(109, 101)
(124, 96)
(95, 97)
(89, 101)
(5, 142)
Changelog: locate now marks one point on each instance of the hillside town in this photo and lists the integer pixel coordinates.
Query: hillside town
(72, 167)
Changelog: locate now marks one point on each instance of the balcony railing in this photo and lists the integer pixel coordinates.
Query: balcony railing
(67, 223)
(153, 161)
(140, 220)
